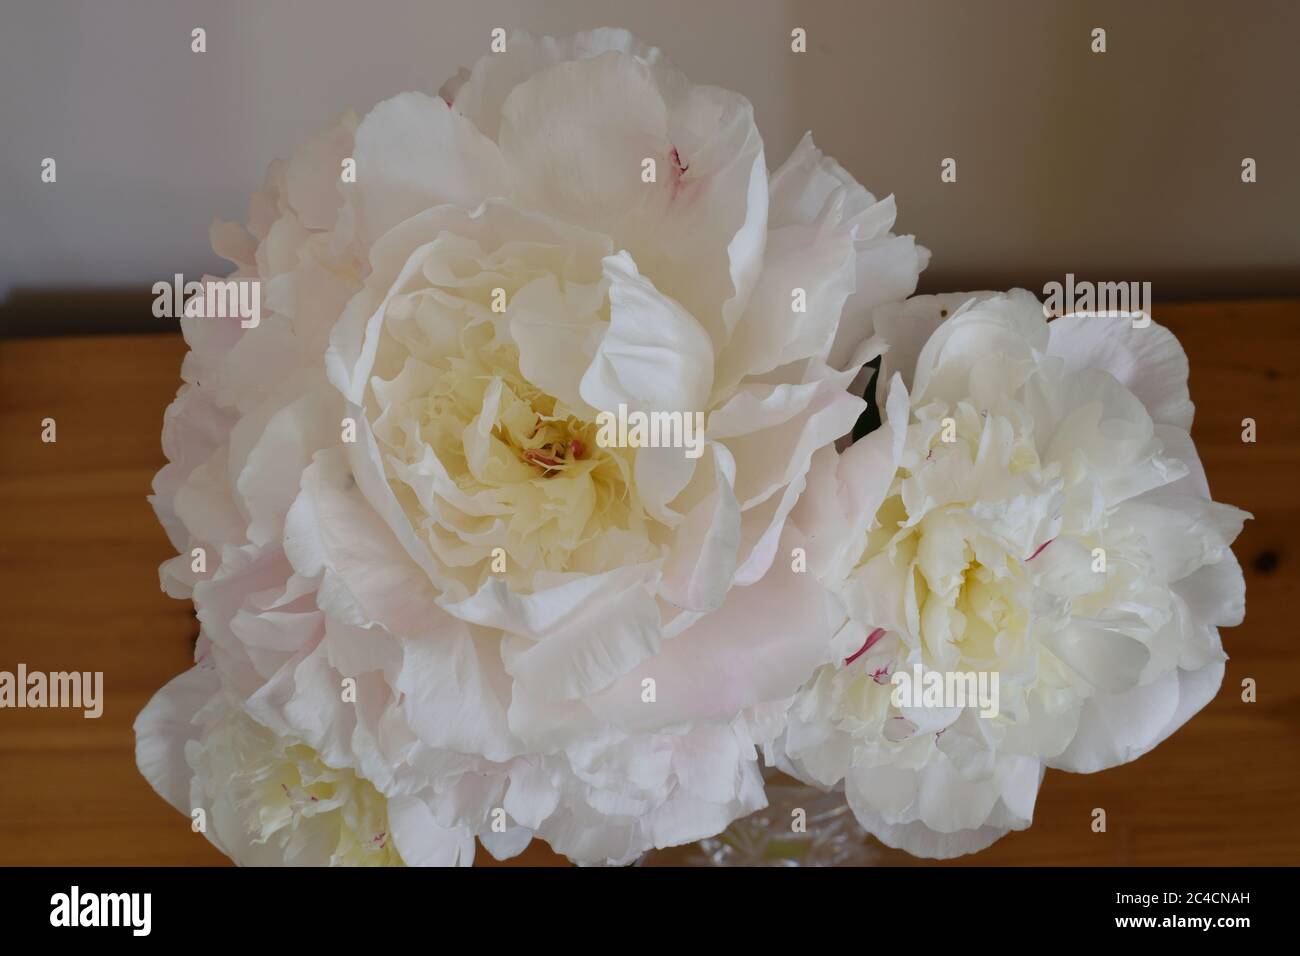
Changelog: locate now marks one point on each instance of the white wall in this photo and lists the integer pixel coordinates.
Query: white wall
(1124, 165)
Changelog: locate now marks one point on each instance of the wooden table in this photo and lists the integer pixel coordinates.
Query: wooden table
(80, 591)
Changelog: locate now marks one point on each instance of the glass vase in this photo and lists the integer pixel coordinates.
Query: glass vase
(801, 826)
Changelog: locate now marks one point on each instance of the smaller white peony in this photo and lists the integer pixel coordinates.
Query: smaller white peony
(1031, 509)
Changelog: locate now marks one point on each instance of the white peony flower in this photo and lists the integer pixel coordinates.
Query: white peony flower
(1032, 507)
(398, 482)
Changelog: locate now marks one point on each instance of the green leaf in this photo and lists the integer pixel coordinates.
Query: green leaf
(869, 420)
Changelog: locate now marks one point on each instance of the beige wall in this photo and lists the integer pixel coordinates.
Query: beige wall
(1123, 165)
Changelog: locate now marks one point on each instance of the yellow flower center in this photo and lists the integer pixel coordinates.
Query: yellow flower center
(535, 482)
(293, 798)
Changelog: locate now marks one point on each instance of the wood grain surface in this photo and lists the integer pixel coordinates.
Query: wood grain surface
(80, 550)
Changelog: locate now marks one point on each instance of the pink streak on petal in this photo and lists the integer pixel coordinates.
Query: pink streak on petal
(679, 169)
(872, 638)
(1040, 549)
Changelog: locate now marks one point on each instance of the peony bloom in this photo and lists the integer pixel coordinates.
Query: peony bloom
(433, 599)
(1032, 506)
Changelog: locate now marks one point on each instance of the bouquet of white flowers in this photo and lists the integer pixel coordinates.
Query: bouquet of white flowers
(518, 511)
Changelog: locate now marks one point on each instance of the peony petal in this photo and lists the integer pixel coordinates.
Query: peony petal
(421, 841)
(575, 637)
(654, 355)
(1148, 361)
(312, 176)
(272, 447)
(481, 95)
(759, 646)
(505, 845)
(886, 270)
(331, 528)
(905, 327)
(798, 419)
(1216, 593)
(412, 153)
(1117, 728)
(980, 353)
(575, 136)
(1108, 660)
(457, 691)
(819, 264)
(702, 560)
(165, 727)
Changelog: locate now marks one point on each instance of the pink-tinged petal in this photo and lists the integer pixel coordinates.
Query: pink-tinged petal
(421, 841)
(270, 450)
(771, 333)
(574, 137)
(799, 419)
(845, 491)
(481, 94)
(163, 729)
(456, 691)
(193, 428)
(811, 189)
(413, 152)
(231, 242)
(759, 646)
(312, 175)
(368, 577)
(574, 637)
(872, 639)
(886, 270)
(701, 562)
(654, 356)
(1148, 361)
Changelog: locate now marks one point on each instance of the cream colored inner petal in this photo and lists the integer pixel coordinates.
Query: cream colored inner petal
(290, 797)
(958, 516)
(518, 482)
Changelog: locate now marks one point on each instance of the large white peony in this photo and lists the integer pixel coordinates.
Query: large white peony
(397, 483)
(1032, 506)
